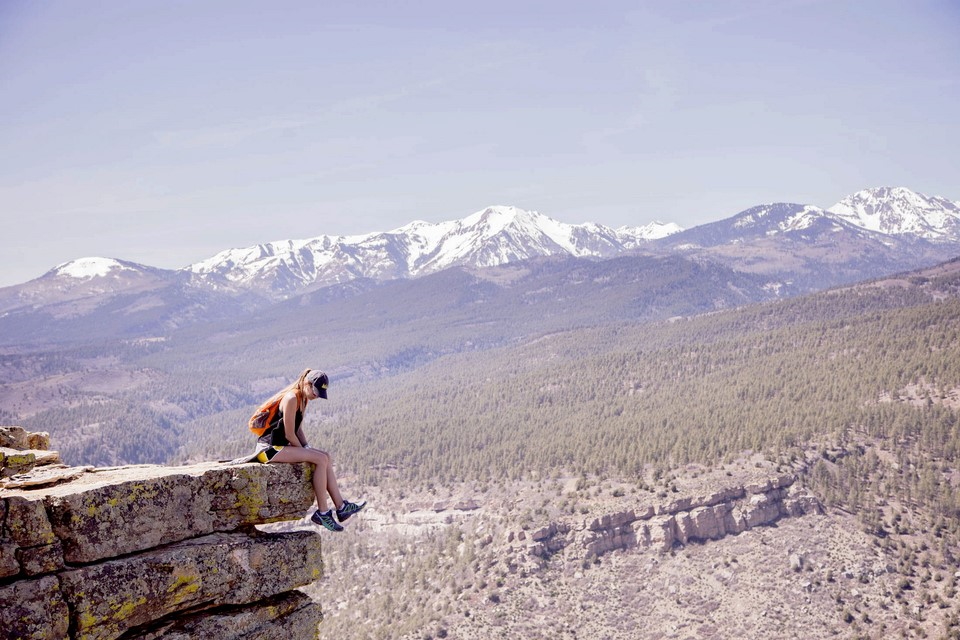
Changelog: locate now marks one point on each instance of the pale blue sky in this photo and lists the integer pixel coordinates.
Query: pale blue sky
(163, 132)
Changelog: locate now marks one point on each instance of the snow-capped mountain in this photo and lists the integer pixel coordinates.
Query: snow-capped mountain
(881, 214)
(493, 236)
(89, 268)
(86, 279)
(757, 222)
(633, 237)
(94, 298)
(900, 211)
(501, 234)
(872, 231)
(805, 247)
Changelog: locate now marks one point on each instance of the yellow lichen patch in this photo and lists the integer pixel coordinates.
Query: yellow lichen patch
(87, 620)
(123, 611)
(186, 582)
(249, 501)
(183, 586)
(140, 491)
(20, 459)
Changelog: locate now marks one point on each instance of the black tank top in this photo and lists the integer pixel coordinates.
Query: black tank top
(275, 435)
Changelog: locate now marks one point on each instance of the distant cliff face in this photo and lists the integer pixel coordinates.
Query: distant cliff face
(152, 551)
(725, 511)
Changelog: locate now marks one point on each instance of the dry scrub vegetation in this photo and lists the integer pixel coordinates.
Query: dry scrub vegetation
(428, 565)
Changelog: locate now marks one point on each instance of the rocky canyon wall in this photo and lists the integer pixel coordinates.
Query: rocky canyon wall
(696, 518)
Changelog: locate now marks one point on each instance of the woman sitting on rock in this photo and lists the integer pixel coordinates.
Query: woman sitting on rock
(283, 441)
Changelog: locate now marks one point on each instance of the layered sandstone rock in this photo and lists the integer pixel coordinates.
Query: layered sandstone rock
(20, 439)
(156, 552)
(22, 451)
(696, 518)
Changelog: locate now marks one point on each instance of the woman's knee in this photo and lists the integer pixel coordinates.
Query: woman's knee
(320, 458)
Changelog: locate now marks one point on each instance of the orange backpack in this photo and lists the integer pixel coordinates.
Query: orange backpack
(261, 419)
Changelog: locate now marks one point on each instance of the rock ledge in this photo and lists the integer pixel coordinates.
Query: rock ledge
(147, 552)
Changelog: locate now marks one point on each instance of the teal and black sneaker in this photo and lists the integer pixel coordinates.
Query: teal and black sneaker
(347, 509)
(325, 519)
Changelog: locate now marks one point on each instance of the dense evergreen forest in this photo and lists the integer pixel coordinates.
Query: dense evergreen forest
(775, 378)
(89, 396)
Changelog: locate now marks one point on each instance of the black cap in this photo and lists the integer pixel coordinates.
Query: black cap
(320, 382)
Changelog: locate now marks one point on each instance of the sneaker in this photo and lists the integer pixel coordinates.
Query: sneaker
(347, 509)
(325, 519)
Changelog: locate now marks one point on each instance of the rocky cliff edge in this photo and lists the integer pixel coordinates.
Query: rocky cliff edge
(146, 552)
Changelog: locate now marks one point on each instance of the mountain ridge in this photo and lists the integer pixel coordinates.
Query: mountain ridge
(500, 234)
(894, 210)
(797, 248)
(490, 237)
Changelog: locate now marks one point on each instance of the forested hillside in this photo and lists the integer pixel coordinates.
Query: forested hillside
(444, 389)
(777, 377)
(93, 397)
(857, 390)
(871, 362)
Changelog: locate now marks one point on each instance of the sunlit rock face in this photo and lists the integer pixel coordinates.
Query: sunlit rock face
(152, 551)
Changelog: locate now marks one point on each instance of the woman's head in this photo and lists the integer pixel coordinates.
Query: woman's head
(318, 383)
(310, 385)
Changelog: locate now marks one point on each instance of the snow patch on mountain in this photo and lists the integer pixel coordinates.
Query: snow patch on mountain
(757, 215)
(91, 267)
(803, 219)
(777, 217)
(652, 231)
(497, 235)
(489, 237)
(900, 211)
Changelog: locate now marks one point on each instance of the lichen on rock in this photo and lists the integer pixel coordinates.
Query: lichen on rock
(149, 551)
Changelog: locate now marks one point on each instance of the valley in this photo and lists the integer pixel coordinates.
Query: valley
(419, 566)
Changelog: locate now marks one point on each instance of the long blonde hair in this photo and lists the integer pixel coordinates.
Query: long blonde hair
(297, 388)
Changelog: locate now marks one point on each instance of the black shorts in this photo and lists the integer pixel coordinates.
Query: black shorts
(266, 455)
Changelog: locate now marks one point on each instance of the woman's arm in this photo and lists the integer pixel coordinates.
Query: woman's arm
(290, 406)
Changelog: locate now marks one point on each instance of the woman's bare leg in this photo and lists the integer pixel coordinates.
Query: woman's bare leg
(332, 487)
(321, 473)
